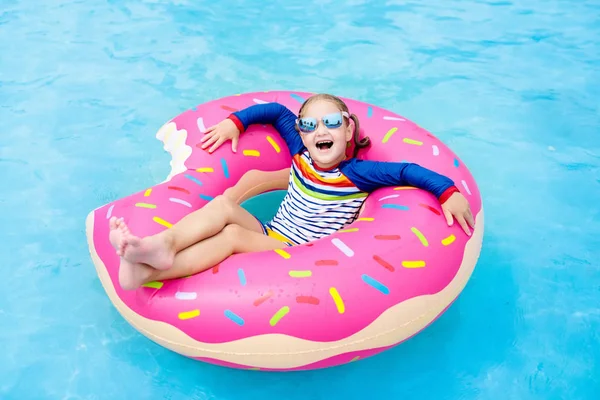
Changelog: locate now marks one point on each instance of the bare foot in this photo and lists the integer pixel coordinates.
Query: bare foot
(156, 251)
(133, 275)
(115, 236)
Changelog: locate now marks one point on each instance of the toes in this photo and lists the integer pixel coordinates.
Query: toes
(112, 223)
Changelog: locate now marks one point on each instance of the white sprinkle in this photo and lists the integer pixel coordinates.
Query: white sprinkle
(436, 150)
(342, 246)
(465, 186)
(389, 197)
(186, 295)
(201, 126)
(393, 118)
(176, 200)
(259, 101)
(109, 212)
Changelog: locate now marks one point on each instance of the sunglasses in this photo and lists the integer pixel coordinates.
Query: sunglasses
(331, 121)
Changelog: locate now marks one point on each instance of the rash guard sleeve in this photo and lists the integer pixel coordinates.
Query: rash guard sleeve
(282, 119)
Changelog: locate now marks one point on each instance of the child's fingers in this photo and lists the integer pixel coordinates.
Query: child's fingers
(210, 129)
(463, 224)
(207, 136)
(216, 145)
(234, 143)
(448, 215)
(470, 219)
(210, 141)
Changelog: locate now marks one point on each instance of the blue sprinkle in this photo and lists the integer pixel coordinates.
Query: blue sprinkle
(376, 284)
(205, 197)
(242, 276)
(234, 317)
(396, 206)
(225, 168)
(456, 163)
(193, 179)
(297, 98)
(369, 112)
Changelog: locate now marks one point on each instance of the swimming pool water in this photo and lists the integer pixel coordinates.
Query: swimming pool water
(511, 86)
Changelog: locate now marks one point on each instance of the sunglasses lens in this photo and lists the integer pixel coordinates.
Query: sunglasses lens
(307, 124)
(333, 120)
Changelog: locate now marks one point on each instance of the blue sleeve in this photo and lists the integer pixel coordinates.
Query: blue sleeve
(277, 115)
(371, 175)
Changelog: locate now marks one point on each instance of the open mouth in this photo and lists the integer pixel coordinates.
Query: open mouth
(324, 145)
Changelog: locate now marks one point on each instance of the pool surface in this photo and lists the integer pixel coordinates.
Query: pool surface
(509, 86)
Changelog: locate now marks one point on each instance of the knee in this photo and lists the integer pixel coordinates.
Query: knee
(233, 234)
(223, 203)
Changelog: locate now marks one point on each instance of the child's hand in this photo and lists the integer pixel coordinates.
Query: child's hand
(217, 134)
(458, 207)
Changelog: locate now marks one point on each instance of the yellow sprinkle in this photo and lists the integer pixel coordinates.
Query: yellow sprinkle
(389, 134)
(189, 314)
(355, 359)
(161, 221)
(300, 274)
(420, 236)
(413, 264)
(366, 219)
(147, 192)
(412, 141)
(339, 303)
(449, 240)
(239, 94)
(283, 253)
(348, 230)
(275, 146)
(154, 285)
(252, 153)
(405, 188)
(145, 205)
(206, 169)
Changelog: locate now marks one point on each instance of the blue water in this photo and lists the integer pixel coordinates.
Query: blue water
(509, 86)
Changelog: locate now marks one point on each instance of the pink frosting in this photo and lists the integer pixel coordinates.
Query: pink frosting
(241, 296)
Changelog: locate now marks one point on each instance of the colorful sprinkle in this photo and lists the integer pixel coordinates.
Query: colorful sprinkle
(278, 315)
(193, 179)
(109, 212)
(234, 317)
(389, 134)
(355, 359)
(420, 235)
(242, 277)
(274, 144)
(254, 369)
(387, 237)
(282, 253)
(262, 299)
(449, 240)
(205, 169)
(384, 263)
(300, 274)
(389, 197)
(186, 295)
(337, 299)
(366, 219)
(179, 189)
(227, 108)
(405, 188)
(342, 247)
(307, 300)
(162, 222)
(145, 205)
(259, 101)
(413, 264)
(412, 141)
(205, 197)
(179, 201)
(225, 167)
(189, 314)
(393, 118)
(456, 163)
(297, 97)
(433, 210)
(147, 192)
(464, 183)
(153, 285)
(436, 150)
(321, 263)
(251, 153)
(215, 269)
(369, 112)
(348, 230)
(375, 284)
(395, 206)
(200, 123)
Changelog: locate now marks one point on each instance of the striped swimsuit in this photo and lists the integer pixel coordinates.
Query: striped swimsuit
(320, 202)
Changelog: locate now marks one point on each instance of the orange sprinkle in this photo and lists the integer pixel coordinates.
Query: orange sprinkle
(384, 263)
(326, 262)
(263, 298)
(307, 300)
(387, 237)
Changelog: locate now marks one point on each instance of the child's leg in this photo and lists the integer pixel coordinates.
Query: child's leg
(200, 256)
(158, 250)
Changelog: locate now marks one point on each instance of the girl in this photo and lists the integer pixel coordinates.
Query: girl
(324, 193)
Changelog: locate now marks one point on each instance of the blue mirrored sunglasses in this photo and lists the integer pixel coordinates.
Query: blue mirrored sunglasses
(331, 121)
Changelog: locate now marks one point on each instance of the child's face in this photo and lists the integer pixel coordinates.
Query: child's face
(326, 145)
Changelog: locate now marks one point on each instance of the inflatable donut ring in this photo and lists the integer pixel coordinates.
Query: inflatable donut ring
(341, 298)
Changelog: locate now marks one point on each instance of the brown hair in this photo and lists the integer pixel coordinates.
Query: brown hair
(358, 143)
